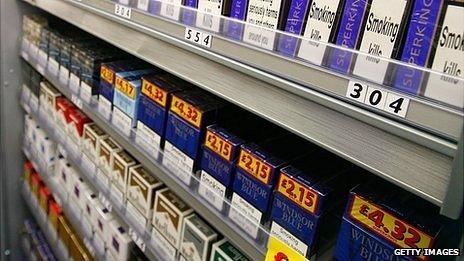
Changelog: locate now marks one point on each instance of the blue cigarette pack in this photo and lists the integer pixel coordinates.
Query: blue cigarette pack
(127, 91)
(189, 16)
(189, 114)
(296, 16)
(108, 75)
(155, 101)
(308, 196)
(379, 219)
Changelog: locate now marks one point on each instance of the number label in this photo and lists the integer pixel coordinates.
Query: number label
(298, 193)
(198, 37)
(154, 92)
(388, 226)
(122, 11)
(254, 166)
(125, 87)
(378, 98)
(186, 111)
(218, 145)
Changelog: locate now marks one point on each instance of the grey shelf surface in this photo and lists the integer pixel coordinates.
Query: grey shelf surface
(415, 167)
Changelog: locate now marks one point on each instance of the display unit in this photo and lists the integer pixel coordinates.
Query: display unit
(420, 150)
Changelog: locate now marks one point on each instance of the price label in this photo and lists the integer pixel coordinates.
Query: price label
(33, 50)
(123, 11)
(254, 166)
(154, 92)
(378, 98)
(64, 75)
(78, 102)
(298, 193)
(122, 121)
(198, 37)
(42, 57)
(143, 5)
(125, 87)
(53, 67)
(106, 74)
(74, 83)
(86, 92)
(388, 226)
(218, 145)
(137, 239)
(104, 107)
(186, 111)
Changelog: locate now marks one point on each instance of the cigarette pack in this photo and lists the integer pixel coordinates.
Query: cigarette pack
(48, 96)
(127, 92)
(170, 252)
(36, 184)
(221, 150)
(54, 213)
(64, 231)
(263, 18)
(90, 207)
(168, 215)
(45, 196)
(209, 13)
(27, 171)
(108, 73)
(80, 189)
(380, 218)
(223, 250)
(294, 24)
(102, 219)
(62, 112)
(349, 34)
(77, 249)
(155, 101)
(190, 113)
(141, 188)
(321, 27)
(189, 16)
(119, 242)
(448, 58)
(418, 45)
(120, 172)
(308, 200)
(108, 147)
(197, 239)
(382, 37)
(48, 149)
(92, 137)
(76, 126)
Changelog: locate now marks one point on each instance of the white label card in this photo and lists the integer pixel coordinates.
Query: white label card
(143, 5)
(123, 11)
(212, 190)
(42, 57)
(25, 49)
(259, 36)
(170, 9)
(137, 239)
(378, 98)
(74, 83)
(53, 67)
(86, 92)
(25, 95)
(76, 100)
(104, 107)
(34, 103)
(64, 75)
(180, 164)
(33, 50)
(198, 37)
(245, 215)
(122, 121)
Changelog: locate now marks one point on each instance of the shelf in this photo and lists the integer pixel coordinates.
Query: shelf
(254, 249)
(416, 168)
(61, 198)
(270, 85)
(42, 221)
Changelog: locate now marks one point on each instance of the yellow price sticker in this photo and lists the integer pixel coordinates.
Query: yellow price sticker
(388, 226)
(298, 193)
(218, 145)
(106, 74)
(254, 166)
(154, 92)
(186, 111)
(279, 251)
(125, 87)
